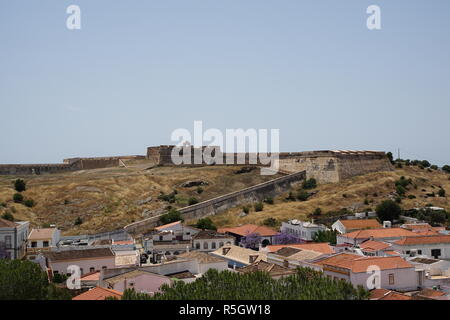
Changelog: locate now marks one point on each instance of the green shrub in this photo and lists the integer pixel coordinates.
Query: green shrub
(309, 184)
(317, 212)
(78, 221)
(20, 185)
(270, 222)
(18, 198)
(192, 201)
(400, 190)
(269, 200)
(441, 192)
(303, 195)
(8, 216)
(199, 190)
(172, 216)
(366, 201)
(388, 210)
(434, 167)
(411, 196)
(259, 206)
(446, 168)
(29, 203)
(205, 223)
(246, 209)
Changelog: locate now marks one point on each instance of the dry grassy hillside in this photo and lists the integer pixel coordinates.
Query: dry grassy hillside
(108, 199)
(350, 194)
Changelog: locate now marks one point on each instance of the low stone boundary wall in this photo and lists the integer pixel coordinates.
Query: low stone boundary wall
(219, 204)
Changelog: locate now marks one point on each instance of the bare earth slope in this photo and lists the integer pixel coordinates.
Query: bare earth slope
(350, 194)
(108, 199)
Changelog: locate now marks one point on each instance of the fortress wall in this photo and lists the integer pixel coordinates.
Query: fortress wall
(28, 169)
(72, 164)
(355, 165)
(322, 168)
(213, 206)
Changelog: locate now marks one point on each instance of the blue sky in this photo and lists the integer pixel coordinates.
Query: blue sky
(137, 70)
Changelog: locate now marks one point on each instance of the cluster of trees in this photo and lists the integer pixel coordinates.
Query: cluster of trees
(172, 216)
(19, 186)
(423, 164)
(329, 236)
(433, 217)
(24, 280)
(205, 224)
(302, 194)
(306, 284)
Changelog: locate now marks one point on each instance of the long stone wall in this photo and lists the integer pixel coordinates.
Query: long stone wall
(72, 164)
(216, 205)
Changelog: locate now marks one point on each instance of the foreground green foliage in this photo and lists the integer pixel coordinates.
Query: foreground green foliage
(205, 223)
(306, 284)
(172, 216)
(24, 280)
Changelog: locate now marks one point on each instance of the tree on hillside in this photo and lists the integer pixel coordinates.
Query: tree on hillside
(446, 168)
(390, 157)
(205, 223)
(172, 216)
(20, 185)
(388, 210)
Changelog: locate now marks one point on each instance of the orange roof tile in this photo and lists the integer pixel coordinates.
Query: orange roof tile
(380, 233)
(41, 234)
(91, 276)
(427, 292)
(98, 293)
(167, 225)
(371, 245)
(318, 247)
(361, 224)
(395, 296)
(357, 263)
(248, 229)
(423, 240)
(7, 224)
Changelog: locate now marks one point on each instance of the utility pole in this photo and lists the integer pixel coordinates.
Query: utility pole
(398, 153)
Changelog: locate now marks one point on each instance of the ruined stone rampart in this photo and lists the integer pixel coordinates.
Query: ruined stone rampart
(68, 165)
(219, 204)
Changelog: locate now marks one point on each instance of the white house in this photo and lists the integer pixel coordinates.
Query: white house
(346, 226)
(13, 238)
(303, 230)
(395, 273)
(434, 246)
(42, 240)
(208, 240)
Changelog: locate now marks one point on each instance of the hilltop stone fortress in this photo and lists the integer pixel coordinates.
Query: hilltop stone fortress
(325, 166)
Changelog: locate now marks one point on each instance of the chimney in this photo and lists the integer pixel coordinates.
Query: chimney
(187, 249)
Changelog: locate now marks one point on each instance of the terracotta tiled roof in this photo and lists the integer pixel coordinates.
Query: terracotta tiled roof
(383, 294)
(248, 229)
(79, 254)
(371, 245)
(7, 224)
(201, 257)
(240, 254)
(271, 268)
(41, 234)
(167, 225)
(91, 276)
(427, 292)
(318, 247)
(423, 240)
(287, 251)
(380, 233)
(98, 293)
(210, 234)
(357, 263)
(417, 226)
(358, 224)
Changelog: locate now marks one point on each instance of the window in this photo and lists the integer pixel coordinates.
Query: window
(220, 244)
(391, 278)
(436, 253)
(104, 267)
(92, 269)
(197, 245)
(81, 271)
(33, 244)
(45, 244)
(213, 245)
(419, 251)
(8, 241)
(205, 245)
